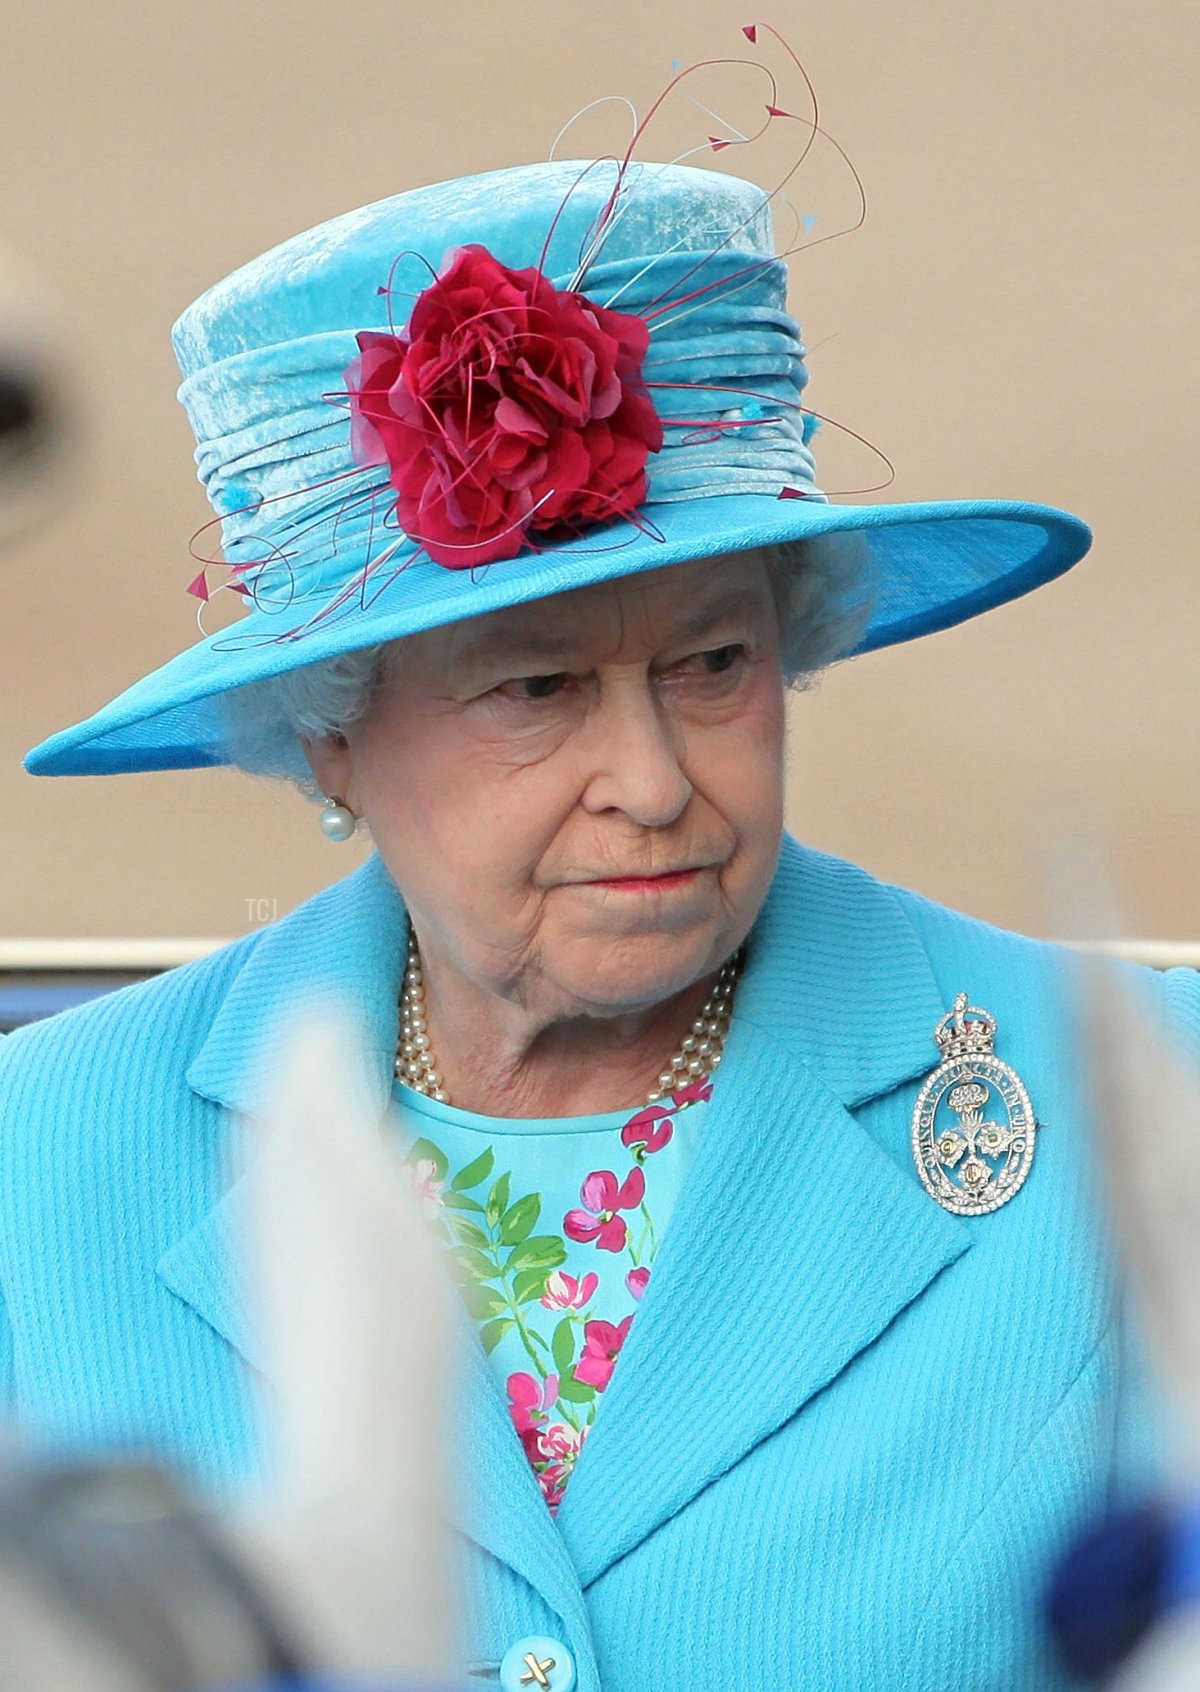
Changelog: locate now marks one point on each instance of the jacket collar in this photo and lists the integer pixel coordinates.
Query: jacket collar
(797, 1239)
(348, 944)
(836, 1006)
(836, 975)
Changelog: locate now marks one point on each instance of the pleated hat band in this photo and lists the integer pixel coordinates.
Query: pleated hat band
(265, 352)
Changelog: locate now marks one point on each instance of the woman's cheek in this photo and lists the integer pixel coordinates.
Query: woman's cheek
(517, 811)
(513, 735)
(742, 732)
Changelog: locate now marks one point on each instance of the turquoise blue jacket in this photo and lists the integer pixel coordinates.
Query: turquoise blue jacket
(848, 1431)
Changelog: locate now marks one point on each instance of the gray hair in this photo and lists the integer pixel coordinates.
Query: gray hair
(822, 595)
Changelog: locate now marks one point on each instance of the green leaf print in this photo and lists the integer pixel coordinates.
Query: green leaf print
(493, 1332)
(482, 1301)
(475, 1172)
(424, 1151)
(529, 1285)
(475, 1263)
(575, 1392)
(498, 1284)
(497, 1200)
(544, 1251)
(460, 1201)
(519, 1221)
(562, 1347)
(469, 1233)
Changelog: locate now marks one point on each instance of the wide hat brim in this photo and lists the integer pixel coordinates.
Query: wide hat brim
(932, 565)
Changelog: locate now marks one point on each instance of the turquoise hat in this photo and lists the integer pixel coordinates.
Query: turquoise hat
(681, 433)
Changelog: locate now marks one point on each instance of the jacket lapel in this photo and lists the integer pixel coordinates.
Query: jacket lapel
(499, 1504)
(349, 944)
(796, 1239)
(346, 943)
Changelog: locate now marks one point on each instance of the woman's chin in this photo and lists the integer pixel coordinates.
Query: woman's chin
(636, 974)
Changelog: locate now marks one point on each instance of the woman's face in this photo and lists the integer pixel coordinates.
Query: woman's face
(581, 799)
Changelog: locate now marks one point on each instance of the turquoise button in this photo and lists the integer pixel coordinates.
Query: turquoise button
(535, 1664)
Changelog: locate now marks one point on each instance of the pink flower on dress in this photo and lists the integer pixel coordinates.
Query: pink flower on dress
(559, 1447)
(651, 1129)
(564, 1292)
(552, 1488)
(603, 1198)
(528, 1403)
(636, 1281)
(696, 1092)
(426, 1187)
(601, 1343)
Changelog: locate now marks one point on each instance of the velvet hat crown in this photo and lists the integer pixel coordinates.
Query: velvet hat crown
(488, 390)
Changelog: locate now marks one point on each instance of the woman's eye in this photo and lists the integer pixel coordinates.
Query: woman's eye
(721, 658)
(534, 687)
(716, 660)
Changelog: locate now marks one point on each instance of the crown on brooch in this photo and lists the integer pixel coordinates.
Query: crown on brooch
(965, 1031)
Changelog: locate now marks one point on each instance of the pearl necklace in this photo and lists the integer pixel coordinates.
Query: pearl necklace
(696, 1056)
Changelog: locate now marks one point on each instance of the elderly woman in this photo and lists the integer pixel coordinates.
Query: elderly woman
(794, 1346)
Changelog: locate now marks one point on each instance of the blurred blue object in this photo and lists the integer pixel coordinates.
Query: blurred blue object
(20, 1004)
(1110, 1589)
(1181, 1577)
(309, 1684)
(1119, 1580)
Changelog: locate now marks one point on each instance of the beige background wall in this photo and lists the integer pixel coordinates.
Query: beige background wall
(1017, 318)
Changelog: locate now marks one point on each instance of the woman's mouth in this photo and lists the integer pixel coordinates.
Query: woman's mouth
(661, 883)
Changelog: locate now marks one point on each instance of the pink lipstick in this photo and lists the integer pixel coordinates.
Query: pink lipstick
(649, 883)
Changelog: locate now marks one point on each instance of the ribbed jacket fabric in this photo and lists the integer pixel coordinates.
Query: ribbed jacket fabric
(848, 1432)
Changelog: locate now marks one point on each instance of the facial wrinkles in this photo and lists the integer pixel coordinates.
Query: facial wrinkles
(614, 845)
(620, 616)
(532, 776)
(624, 722)
(698, 834)
(616, 839)
(556, 769)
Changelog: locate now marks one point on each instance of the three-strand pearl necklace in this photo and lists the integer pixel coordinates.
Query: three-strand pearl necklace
(696, 1056)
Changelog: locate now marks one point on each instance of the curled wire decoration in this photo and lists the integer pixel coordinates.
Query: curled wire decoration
(278, 581)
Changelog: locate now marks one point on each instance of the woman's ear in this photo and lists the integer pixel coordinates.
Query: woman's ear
(332, 766)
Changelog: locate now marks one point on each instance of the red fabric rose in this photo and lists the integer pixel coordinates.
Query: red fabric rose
(507, 408)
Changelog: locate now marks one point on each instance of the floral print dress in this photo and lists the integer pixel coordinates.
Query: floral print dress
(553, 1226)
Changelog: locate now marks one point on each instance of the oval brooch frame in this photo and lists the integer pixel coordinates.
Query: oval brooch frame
(971, 1156)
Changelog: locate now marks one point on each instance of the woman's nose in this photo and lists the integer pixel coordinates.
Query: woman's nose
(635, 759)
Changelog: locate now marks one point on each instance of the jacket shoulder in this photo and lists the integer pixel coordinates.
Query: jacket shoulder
(982, 953)
(153, 1019)
(944, 926)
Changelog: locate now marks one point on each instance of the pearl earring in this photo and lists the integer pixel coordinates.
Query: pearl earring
(338, 822)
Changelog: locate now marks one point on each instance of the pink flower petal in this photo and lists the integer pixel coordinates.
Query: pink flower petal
(633, 1191)
(694, 1093)
(599, 1190)
(523, 1390)
(580, 1225)
(560, 1291)
(611, 1235)
(643, 1127)
(594, 1371)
